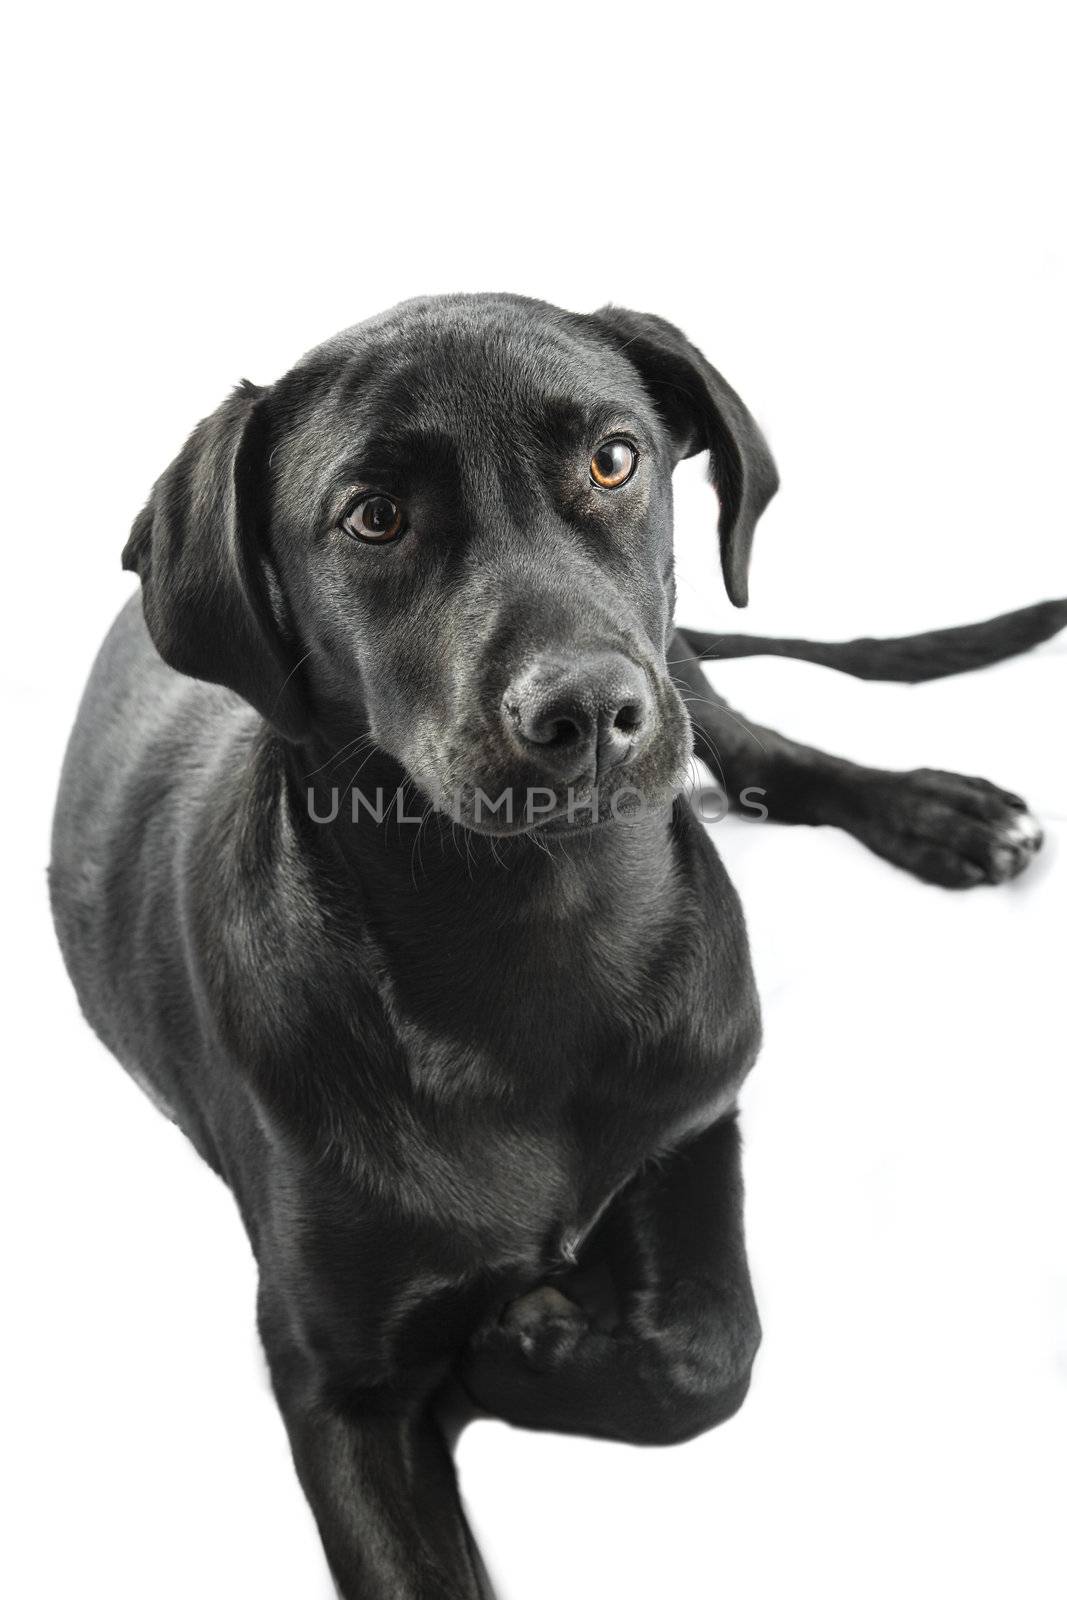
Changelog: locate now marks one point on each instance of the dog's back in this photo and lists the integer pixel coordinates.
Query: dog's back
(147, 748)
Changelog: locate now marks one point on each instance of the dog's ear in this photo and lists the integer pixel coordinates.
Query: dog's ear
(209, 592)
(702, 413)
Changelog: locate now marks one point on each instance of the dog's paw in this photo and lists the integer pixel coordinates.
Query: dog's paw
(545, 1325)
(948, 829)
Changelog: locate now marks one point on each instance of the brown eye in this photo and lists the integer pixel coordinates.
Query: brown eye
(376, 519)
(613, 464)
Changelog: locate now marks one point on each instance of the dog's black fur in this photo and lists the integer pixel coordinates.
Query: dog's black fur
(473, 1084)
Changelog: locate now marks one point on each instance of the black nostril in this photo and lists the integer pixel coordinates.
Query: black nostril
(628, 718)
(618, 733)
(558, 734)
(550, 729)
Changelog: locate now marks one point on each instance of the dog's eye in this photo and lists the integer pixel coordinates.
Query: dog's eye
(613, 464)
(376, 519)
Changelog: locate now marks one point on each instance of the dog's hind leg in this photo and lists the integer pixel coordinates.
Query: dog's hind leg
(677, 1357)
(945, 828)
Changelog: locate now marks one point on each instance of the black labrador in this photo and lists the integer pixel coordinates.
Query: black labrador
(372, 865)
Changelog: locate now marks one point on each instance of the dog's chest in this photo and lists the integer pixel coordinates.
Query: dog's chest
(527, 1138)
(549, 1051)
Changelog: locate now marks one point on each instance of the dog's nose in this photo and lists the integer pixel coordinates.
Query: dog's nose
(578, 715)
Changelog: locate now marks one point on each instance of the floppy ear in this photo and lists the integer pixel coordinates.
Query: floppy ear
(208, 589)
(702, 413)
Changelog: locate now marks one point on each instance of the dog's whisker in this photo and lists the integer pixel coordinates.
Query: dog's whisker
(716, 755)
(350, 786)
(352, 746)
(689, 698)
(287, 679)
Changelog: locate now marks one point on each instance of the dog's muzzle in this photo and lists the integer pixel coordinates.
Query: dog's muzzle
(579, 718)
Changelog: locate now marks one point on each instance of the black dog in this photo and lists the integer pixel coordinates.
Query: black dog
(472, 1082)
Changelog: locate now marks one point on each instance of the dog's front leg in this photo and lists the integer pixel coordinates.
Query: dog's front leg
(377, 1474)
(679, 1357)
(944, 827)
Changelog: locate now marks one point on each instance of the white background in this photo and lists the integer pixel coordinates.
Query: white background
(857, 211)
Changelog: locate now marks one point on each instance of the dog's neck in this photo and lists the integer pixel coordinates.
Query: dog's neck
(546, 950)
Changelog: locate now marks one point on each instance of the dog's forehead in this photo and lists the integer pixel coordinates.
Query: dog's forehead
(474, 363)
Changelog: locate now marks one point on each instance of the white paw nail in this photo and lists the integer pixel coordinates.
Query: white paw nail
(1023, 829)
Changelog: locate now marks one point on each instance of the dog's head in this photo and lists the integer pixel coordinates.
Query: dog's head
(452, 525)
